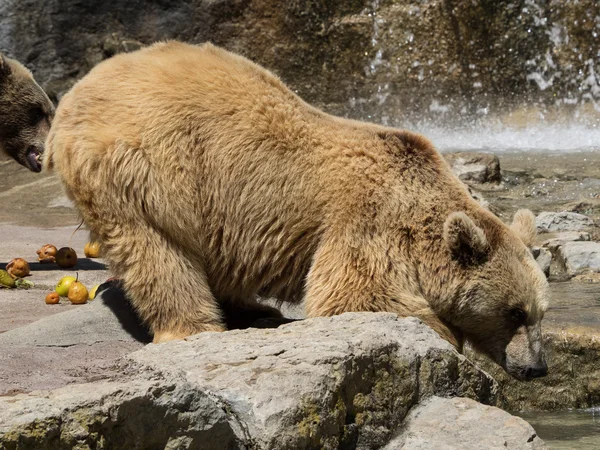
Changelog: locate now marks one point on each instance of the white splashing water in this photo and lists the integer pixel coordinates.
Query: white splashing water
(542, 138)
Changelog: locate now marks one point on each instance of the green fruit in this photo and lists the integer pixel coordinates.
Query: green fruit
(6, 280)
(62, 288)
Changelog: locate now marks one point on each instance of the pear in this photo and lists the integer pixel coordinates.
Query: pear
(92, 249)
(6, 280)
(78, 293)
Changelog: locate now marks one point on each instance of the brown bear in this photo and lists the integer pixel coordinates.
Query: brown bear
(25, 114)
(209, 182)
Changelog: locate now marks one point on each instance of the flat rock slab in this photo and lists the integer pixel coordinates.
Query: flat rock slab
(20, 307)
(26, 368)
(463, 424)
(322, 383)
(75, 346)
(108, 318)
(562, 221)
(552, 240)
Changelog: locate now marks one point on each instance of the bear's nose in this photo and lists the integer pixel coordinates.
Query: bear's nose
(540, 370)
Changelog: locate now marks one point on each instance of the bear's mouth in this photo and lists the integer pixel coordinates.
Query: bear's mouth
(34, 159)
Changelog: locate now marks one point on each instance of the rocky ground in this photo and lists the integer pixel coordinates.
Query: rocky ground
(76, 375)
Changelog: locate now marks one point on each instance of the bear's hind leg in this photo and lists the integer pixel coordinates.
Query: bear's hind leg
(169, 292)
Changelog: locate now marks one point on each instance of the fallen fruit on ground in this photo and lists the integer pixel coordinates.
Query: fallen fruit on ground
(66, 257)
(21, 283)
(93, 292)
(78, 293)
(52, 298)
(92, 249)
(47, 254)
(6, 280)
(18, 268)
(62, 287)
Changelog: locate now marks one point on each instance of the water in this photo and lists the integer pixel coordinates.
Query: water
(572, 430)
(540, 138)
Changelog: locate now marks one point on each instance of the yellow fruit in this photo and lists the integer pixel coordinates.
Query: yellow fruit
(47, 254)
(18, 268)
(92, 250)
(78, 294)
(62, 287)
(93, 292)
(52, 298)
(66, 257)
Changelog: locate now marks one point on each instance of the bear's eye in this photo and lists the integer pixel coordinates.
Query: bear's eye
(518, 316)
(36, 115)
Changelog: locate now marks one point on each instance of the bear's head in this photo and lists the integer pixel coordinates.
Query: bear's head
(500, 301)
(26, 113)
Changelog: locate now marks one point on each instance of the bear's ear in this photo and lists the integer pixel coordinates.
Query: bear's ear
(523, 225)
(466, 241)
(4, 67)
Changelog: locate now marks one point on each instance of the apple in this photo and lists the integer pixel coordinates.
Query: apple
(52, 298)
(62, 288)
(78, 293)
(92, 249)
(66, 257)
(18, 268)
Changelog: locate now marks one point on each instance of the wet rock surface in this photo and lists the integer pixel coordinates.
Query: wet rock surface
(463, 424)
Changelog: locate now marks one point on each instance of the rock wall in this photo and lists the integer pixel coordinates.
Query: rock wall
(390, 61)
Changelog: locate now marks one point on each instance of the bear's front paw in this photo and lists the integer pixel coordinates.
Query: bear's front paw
(166, 336)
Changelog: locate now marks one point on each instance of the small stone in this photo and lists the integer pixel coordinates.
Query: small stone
(562, 221)
(588, 276)
(580, 256)
(543, 257)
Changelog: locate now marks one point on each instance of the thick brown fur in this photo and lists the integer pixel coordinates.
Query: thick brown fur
(208, 181)
(26, 113)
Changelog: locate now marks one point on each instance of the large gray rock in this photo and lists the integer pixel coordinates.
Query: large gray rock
(577, 257)
(562, 221)
(463, 424)
(346, 381)
(475, 168)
